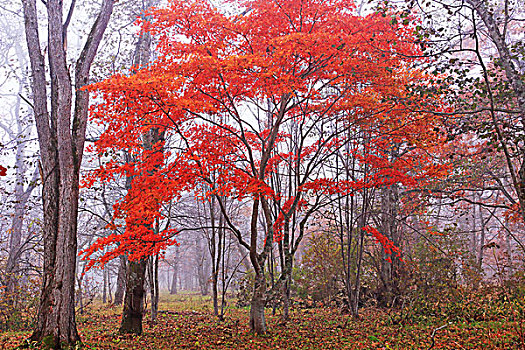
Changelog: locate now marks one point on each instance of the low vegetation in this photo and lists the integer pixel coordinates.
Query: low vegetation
(490, 318)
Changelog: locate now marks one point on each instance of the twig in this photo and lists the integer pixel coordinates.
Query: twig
(434, 334)
(26, 101)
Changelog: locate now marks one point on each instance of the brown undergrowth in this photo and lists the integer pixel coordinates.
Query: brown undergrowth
(185, 322)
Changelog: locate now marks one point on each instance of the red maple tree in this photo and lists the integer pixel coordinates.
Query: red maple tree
(280, 88)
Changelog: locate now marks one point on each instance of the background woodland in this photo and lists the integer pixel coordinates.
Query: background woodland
(293, 162)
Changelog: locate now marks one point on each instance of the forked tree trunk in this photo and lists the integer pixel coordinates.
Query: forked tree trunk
(257, 319)
(134, 300)
(61, 137)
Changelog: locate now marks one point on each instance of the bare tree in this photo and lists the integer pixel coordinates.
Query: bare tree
(19, 135)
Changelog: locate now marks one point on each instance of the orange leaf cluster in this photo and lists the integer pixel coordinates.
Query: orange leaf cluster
(283, 84)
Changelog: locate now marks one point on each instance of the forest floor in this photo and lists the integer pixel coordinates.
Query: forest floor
(186, 322)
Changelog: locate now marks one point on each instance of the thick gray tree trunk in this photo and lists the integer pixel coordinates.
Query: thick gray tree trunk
(257, 319)
(61, 136)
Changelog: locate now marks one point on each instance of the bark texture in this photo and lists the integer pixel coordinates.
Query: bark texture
(134, 298)
(61, 136)
(257, 319)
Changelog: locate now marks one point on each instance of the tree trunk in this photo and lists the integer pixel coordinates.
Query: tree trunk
(80, 298)
(287, 269)
(362, 221)
(389, 263)
(286, 299)
(481, 248)
(224, 279)
(257, 319)
(201, 267)
(153, 274)
(216, 257)
(110, 294)
(61, 139)
(509, 258)
(515, 79)
(215, 292)
(133, 310)
(354, 300)
(134, 299)
(175, 278)
(104, 286)
(121, 280)
(133, 307)
(12, 270)
(15, 241)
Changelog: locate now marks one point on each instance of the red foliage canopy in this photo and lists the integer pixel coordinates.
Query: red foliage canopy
(286, 84)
